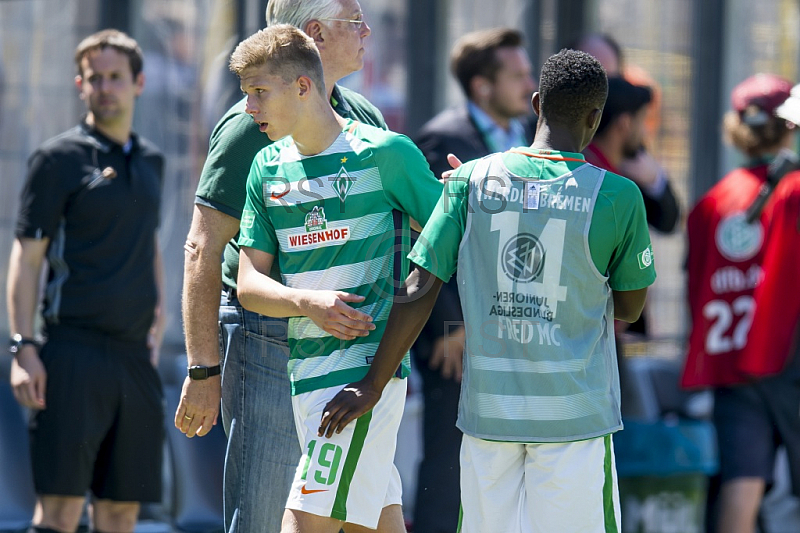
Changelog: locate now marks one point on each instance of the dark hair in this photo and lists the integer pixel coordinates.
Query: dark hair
(119, 41)
(474, 54)
(572, 84)
(623, 97)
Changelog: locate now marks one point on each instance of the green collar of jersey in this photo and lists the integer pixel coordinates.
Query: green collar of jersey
(552, 164)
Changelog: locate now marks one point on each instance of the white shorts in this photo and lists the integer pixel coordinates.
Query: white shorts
(509, 487)
(351, 476)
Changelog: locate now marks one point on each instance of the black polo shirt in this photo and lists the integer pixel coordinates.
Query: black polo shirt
(101, 226)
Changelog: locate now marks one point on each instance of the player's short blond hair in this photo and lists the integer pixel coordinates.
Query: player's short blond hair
(284, 50)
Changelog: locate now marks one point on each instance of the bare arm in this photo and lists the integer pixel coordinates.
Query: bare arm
(202, 274)
(409, 313)
(628, 305)
(327, 309)
(156, 333)
(28, 376)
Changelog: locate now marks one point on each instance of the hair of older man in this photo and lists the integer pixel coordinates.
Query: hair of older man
(298, 13)
(119, 41)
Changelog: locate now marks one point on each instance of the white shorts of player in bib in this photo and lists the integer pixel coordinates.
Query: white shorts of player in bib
(509, 487)
(350, 476)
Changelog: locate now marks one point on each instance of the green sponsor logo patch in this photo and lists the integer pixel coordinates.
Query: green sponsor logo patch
(645, 258)
(248, 219)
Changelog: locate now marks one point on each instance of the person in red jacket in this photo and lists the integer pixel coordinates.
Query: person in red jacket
(775, 323)
(731, 243)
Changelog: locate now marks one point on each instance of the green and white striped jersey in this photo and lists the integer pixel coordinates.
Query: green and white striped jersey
(339, 220)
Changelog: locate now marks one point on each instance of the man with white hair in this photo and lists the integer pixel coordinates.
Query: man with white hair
(262, 451)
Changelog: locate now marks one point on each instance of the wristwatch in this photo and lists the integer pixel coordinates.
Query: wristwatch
(17, 341)
(199, 372)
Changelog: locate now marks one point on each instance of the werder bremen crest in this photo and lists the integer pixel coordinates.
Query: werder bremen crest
(343, 182)
(315, 219)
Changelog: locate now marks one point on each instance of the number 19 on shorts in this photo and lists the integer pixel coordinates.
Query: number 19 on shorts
(322, 463)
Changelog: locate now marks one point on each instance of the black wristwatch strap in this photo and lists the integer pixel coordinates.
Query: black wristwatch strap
(199, 372)
(17, 341)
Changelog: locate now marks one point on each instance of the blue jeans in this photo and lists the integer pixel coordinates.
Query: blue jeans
(263, 450)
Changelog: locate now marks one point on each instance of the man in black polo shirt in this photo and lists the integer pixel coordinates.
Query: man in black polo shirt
(90, 207)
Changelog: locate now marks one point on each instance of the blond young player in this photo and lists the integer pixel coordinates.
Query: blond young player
(332, 203)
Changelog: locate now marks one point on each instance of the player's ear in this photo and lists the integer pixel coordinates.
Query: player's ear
(315, 30)
(593, 118)
(536, 102)
(79, 85)
(480, 87)
(304, 86)
(139, 82)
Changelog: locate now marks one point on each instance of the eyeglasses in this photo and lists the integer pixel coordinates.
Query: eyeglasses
(357, 22)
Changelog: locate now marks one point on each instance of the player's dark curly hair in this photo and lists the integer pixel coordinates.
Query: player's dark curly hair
(572, 83)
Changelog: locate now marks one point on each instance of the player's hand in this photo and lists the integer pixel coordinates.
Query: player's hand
(455, 163)
(198, 409)
(642, 169)
(447, 354)
(329, 311)
(350, 403)
(28, 378)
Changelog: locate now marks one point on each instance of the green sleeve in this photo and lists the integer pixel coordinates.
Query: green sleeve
(631, 266)
(234, 143)
(256, 229)
(407, 180)
(436, 250)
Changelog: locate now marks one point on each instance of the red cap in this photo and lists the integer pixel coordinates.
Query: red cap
(762, 91)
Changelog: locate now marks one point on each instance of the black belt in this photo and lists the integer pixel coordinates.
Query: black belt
(229, 292)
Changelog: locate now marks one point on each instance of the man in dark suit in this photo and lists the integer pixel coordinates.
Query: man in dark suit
(494, 72)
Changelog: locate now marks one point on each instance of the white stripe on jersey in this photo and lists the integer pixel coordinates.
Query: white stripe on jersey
(360, 228)
(342, 277)
(313, 367)
(281, 192)
(508, 407)
(499, 364)
(304, 327)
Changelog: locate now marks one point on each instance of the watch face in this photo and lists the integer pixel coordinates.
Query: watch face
(203, 372)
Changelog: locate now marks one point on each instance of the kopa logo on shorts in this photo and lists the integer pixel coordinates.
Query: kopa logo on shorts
(523, 258)
(317, 233)
(737, 240)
